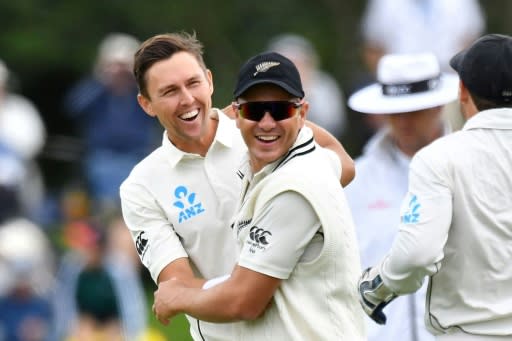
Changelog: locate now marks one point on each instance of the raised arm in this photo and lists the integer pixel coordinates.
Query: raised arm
(326, 140)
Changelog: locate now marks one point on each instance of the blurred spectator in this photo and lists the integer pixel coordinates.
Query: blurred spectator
(115, 130)
(327, 102)
(23, 132)
(99, 293)
(409, 95)
(12, 175)
(26, 269)
(414, 26)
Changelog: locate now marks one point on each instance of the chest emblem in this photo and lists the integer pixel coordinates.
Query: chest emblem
(188, 204)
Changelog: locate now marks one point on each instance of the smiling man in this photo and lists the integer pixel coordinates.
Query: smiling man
(297, 267)
(179, 201)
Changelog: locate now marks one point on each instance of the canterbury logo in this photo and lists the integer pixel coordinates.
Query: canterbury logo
(265, 66)
(141, 243)
(259, 235)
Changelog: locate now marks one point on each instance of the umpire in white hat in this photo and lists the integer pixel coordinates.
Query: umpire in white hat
(456, 220)
(410, 93)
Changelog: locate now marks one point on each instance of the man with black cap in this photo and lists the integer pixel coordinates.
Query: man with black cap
(456, 218)
(179, 201)
(296, 274)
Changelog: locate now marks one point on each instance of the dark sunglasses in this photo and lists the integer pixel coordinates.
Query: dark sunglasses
(279, 110)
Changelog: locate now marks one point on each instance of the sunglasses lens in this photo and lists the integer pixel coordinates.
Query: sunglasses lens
(279, 110)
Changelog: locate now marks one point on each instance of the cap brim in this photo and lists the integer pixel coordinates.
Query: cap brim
(370, 99)
(456, 61)
(280, 84)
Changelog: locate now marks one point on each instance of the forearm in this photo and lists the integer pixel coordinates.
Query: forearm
(243, 296)
(326, 140)
(180, 269)
(419, 247)
(221, 303)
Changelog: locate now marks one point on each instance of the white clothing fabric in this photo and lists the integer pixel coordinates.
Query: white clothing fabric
(409, 26)
(374, 197)
(23, 131)
(456, 227)
(317, 299)
(179, 205)
(21, 126)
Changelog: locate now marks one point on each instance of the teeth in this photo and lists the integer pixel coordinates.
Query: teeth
(267, 138)
(189, 115)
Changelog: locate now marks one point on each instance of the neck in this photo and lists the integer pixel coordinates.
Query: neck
(410, 149)
(199, 145)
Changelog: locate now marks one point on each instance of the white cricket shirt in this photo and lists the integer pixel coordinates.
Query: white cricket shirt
(178, 205)
(317, 299)
(456, 226)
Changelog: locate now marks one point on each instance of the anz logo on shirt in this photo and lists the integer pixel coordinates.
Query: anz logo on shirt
(412, 215)
(187, 203)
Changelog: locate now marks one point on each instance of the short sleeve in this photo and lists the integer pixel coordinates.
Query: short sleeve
(283, 230)
(155, 239)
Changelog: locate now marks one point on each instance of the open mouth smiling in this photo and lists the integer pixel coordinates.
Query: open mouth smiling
(189, 116)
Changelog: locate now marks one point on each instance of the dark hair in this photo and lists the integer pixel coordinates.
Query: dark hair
(161, 47)
(485, 104)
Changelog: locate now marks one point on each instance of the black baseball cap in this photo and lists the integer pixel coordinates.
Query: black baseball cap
(269, 67)
(485, 68)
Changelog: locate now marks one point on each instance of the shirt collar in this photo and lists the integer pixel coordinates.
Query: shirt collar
(491, 119)
(303, 142)
(223, 136)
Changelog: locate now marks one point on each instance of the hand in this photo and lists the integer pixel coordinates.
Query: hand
(167, 300)
(229, 111)
(374, 295)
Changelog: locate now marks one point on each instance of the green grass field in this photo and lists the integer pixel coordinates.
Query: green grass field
(176, 330)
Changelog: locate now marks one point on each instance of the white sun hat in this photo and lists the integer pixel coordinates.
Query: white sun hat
(406, 82)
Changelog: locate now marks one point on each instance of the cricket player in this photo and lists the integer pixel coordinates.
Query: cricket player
(456, 219)
(298, 252)
(179, 201)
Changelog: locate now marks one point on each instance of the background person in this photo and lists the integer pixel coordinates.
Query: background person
(410, 95)
(419, 26)
(26, 271)
(115, 132)
(22, 130)
(455, 219)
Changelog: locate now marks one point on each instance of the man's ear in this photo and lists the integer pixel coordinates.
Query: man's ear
(304, 109)
(467, 106)
(463, 93)
(209, 78)
(236, 114)
(145, 104)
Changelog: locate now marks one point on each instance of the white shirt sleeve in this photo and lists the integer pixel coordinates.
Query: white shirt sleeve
(290, 227)
(425, 220)
(155, 239)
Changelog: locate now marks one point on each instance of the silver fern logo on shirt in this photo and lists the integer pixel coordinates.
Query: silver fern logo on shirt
(187, 203)
(265, 66)
(412, 215)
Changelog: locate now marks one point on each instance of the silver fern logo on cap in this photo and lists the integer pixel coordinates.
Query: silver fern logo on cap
(265, 66)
